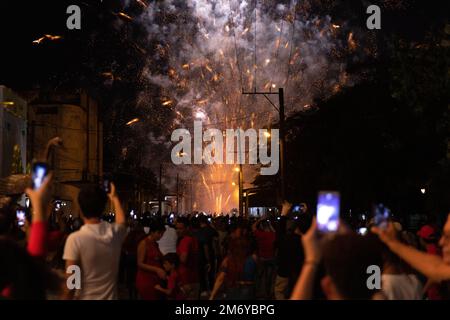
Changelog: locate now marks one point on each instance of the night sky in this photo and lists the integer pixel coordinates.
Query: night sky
(109, 44)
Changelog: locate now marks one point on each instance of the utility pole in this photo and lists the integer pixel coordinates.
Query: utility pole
(241, 184)
(240, 177)
(160, 191)
(280, 110)
(177, 194)
(191, 196)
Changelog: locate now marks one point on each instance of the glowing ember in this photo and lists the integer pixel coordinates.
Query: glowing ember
(129, 123)
(200, 115)
(48, 37)
(124, 16)
(142, 3)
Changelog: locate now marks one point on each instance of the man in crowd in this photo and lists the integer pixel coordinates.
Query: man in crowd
(96, 247)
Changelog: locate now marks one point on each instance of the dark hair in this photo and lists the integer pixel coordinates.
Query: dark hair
(202, 219)
(172, 258)
(195, 223)
(6, 219)
(183, 220)
(157, 226)
(346, 258)
(92, 201)
(303, 222)
(25, 276)
(238, 252)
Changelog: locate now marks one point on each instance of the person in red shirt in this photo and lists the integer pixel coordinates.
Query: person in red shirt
(429, 237)
(149, 261)
(188, 253)
(265, 238)
(22, 275)
(173, 291)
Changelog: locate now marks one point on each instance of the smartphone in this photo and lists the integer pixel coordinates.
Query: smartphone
(107, 185)
(362, 231)
(328, 205)
(20, 215)
(381, 216)
(39, 172)
(296, 209)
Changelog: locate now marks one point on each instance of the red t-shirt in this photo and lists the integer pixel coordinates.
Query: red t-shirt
(266, 241)
(188, 271)
(173, 283)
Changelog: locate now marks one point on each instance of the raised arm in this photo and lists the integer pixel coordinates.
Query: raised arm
(219, 281)
(304, 287)
(120, 213)
(432, 266)
(40, 201)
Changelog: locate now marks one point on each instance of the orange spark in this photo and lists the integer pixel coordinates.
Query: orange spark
(132, 121)
(124, 16)
(142, 3)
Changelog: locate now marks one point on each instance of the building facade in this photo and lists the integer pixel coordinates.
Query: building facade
(74, 117)
(13, 132)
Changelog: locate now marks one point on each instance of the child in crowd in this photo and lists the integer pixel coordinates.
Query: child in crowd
(173, 290)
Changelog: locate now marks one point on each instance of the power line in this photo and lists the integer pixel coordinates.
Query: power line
(254, 52)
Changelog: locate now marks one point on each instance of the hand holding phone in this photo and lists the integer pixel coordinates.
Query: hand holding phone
(328, 207)
(20, 216)
(40, 193)
(381, 216)
(107, 185)
(39, 172)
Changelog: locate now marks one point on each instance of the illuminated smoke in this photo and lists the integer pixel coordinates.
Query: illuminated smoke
(206, 52)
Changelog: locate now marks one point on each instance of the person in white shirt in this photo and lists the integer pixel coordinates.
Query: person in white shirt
(96, 247)
(401, 287)
(398, 281)
(168, 242)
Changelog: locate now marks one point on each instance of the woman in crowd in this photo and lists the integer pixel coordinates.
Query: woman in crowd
(237, 272)
(149, 262)
(434, 267)
(397, 280)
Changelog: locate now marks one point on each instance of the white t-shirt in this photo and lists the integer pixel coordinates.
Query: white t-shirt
(97, 248)
(401, 287)
(168, 242)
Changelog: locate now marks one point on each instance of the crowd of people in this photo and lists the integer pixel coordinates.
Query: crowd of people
(199, 256)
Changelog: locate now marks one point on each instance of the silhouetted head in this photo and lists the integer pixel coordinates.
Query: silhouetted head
(92, 201)
(346, 258)
(23, 275)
